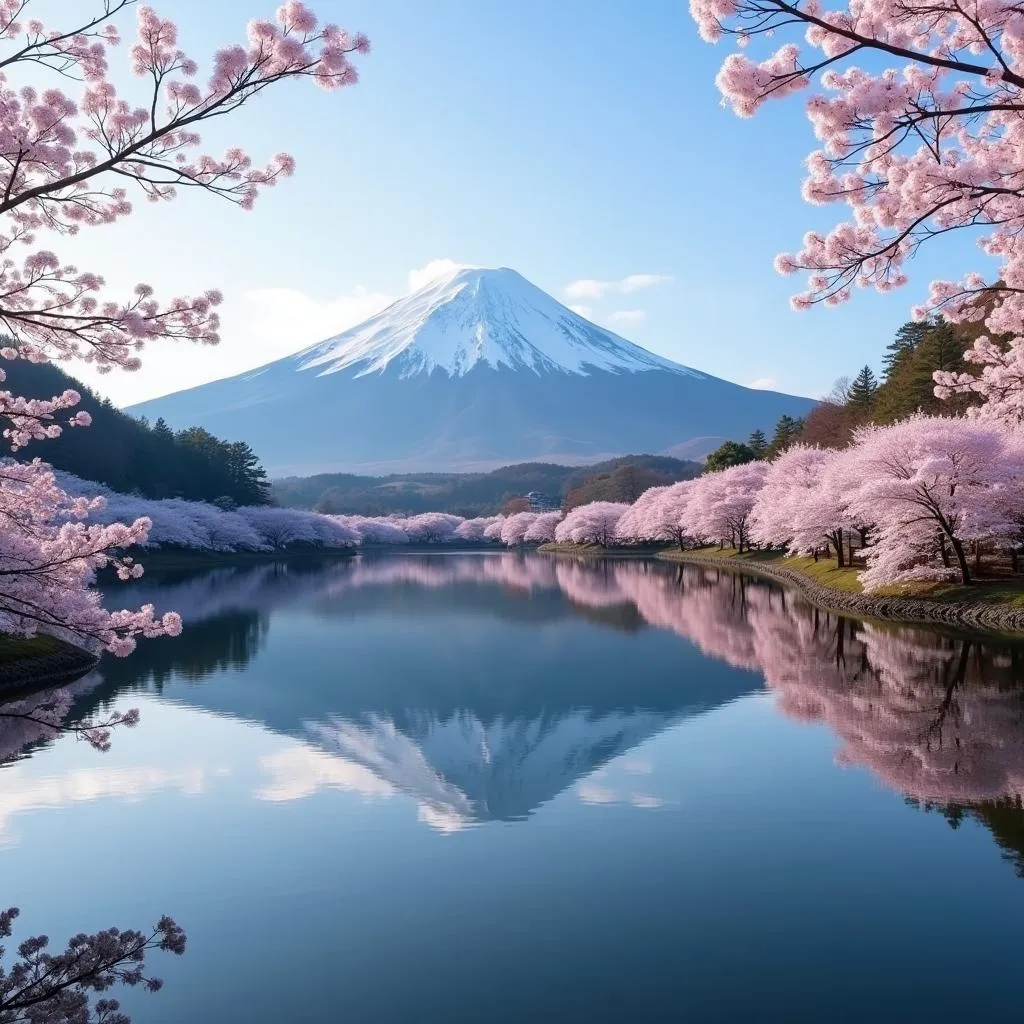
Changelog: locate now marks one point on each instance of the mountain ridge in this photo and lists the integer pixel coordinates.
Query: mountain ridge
(474, 371)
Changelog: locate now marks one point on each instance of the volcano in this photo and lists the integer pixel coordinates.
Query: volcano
(475, 370)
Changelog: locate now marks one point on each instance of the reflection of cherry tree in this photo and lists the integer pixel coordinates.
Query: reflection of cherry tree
(44, 986)
(937, 718)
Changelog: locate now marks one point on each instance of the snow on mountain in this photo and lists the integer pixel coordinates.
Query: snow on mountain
(476, 316)
(475, 370)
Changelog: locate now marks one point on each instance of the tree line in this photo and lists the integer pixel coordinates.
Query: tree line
(905, 386)
(133, 457)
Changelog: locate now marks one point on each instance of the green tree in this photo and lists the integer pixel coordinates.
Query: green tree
(904, 345)
(732, 453)
(863, 390)
(787, 430)
(909, 386)
(758, 444)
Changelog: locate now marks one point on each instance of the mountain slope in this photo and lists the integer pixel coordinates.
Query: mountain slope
(473, 371)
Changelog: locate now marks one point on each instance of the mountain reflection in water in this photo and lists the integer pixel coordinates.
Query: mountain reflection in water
(937, 717)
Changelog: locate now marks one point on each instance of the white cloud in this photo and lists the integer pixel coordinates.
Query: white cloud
(591, 794)
(432, 271)
(298, 772)
(23, 792)
(627, 316)
(279, 321)
(635, 282)
(584, 311)
(764, 383)
(589, 288)
(646, 801)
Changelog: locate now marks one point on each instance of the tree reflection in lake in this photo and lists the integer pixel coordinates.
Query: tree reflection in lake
(937, 717)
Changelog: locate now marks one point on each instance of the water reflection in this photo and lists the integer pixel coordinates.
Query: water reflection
(938, 718)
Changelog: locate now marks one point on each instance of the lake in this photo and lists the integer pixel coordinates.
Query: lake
(500, 787)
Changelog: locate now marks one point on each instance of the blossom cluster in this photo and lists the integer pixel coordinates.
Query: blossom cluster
(917, 108)
(919, 496)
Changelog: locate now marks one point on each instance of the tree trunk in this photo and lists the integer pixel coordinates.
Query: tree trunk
(1013, 560)
(961, 560)
(977, 558)
(944, 552)
(837, 543)
(850, 546)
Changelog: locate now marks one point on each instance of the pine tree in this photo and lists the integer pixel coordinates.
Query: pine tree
(758, 444)
(863, 391)
(903, 346)
(787, 430)
(162, 431)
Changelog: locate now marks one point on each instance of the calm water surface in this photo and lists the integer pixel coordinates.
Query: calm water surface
(500, 787)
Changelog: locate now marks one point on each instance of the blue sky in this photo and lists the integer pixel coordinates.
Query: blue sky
(578, 139)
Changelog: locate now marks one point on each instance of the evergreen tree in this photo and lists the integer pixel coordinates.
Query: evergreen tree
(130, 456)
(910, 387)
(863, 391)
(162, 431)
(758, 444)
(731, 453)
(903, 346)
(787, 430)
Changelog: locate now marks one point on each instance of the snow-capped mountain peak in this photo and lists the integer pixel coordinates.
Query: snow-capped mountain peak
(475, 316)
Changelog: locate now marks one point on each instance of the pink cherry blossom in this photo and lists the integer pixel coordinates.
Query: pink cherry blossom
(69, 163)
(917, 108)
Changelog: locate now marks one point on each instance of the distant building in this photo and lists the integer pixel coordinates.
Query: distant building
(541, 502)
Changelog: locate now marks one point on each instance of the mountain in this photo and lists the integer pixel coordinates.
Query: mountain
(475, 370)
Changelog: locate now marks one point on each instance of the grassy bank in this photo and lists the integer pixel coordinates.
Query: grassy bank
(986, 591)
(30, 663)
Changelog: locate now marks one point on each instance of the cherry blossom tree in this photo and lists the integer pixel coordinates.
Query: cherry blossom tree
(593, 523)
(722, 503)
(493, 530)
(931, 485)
(513, 529)
(69, 163)
(636, 524)
(542, 529)
(802, 504)
(430, 527)
(472, 530)
(918, 108)
(1000, 382)
(669, 514)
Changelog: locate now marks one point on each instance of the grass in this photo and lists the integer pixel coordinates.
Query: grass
(986, 591)
(17, 648)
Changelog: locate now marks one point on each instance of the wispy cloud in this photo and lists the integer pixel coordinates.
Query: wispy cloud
(636, 282)
(591, 288)
(584, 311)
(627, 317)
(764, 383)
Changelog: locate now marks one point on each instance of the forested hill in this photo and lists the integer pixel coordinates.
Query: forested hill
(904, 386)
(129, 455)
(471, 494)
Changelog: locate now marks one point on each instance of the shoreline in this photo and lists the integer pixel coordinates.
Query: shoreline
(969, 613)
(923, 611)
(28, 664)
